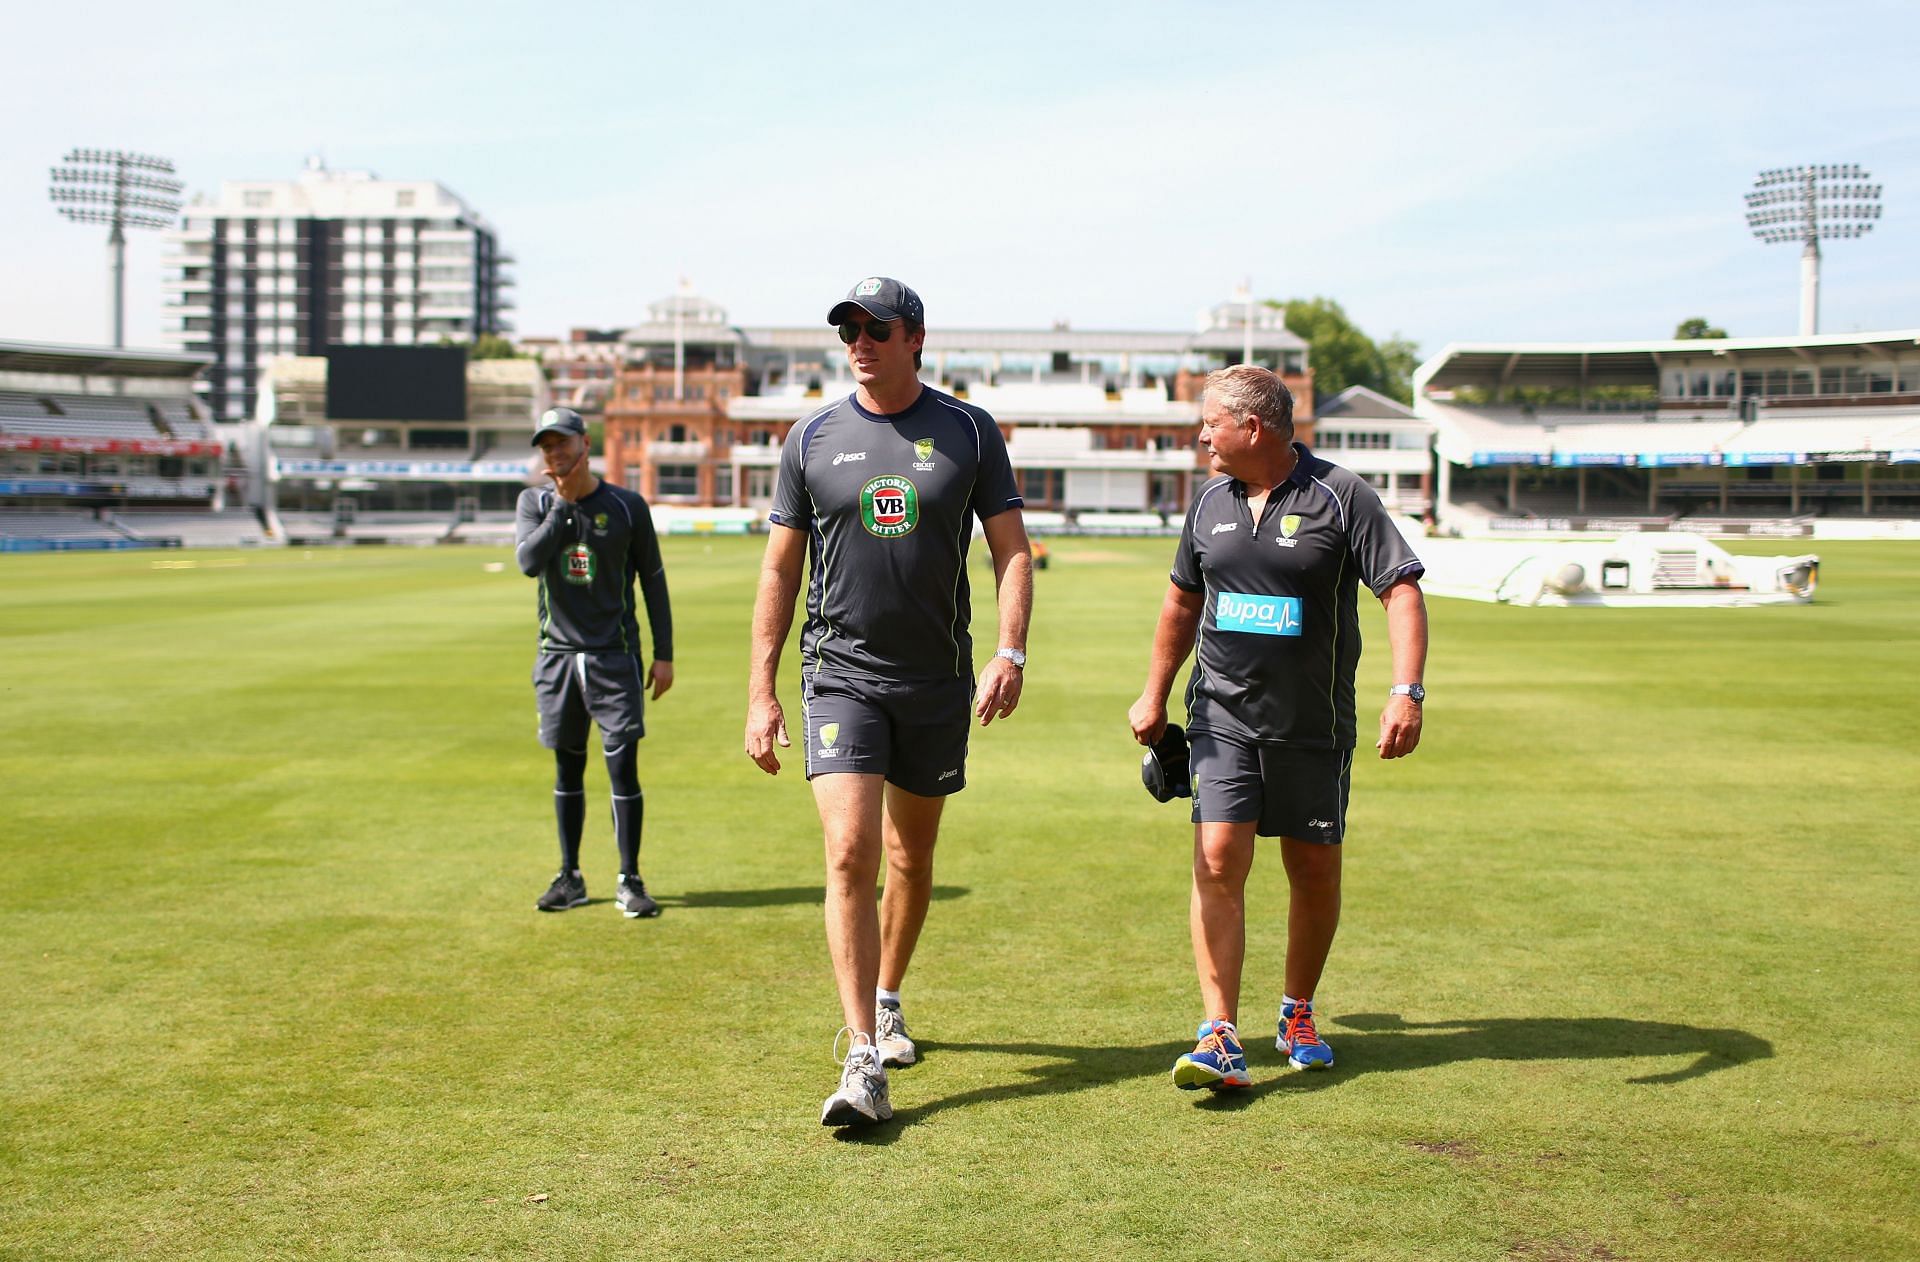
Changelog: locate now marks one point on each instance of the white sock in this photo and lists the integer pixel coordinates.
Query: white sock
(1289, 999)
(891, 998)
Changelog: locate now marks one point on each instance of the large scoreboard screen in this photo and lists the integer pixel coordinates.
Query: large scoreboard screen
(397, 383)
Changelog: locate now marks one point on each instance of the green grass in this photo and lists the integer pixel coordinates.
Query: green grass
(1626, 969)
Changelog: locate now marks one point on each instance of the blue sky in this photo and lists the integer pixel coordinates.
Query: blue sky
(1448, 173)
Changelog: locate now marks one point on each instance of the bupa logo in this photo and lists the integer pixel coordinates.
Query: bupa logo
(1258, 615)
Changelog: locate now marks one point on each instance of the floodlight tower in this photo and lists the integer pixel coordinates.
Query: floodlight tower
(1808, 203)
(119, 189)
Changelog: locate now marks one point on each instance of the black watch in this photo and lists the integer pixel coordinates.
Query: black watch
(1415, 692)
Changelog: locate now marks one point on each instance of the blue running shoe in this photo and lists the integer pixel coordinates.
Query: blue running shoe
(1299, 1040)
(1216, 1062)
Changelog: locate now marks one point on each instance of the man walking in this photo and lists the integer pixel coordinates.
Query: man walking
(878, 493)
(1267, 574)
(588, 542)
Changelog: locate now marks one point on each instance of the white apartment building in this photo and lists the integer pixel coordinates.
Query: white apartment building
(289, 267)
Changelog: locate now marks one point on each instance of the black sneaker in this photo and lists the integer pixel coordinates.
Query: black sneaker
(569, 889)
(632, 900)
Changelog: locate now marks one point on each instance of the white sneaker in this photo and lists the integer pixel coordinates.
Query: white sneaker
(862, 1097)
(890, 1037)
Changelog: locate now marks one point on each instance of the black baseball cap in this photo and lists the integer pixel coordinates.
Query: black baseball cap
(558, 421)
(881, 297)
(1165, 769)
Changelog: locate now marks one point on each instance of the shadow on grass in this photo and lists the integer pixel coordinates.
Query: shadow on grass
(779, 896)
(1366, 1043)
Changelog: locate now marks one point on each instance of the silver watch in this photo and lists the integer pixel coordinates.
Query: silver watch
(1017, 656)
(1414, 692)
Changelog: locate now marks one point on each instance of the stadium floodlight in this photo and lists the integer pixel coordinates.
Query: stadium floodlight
(121, 190)
(1808, 204)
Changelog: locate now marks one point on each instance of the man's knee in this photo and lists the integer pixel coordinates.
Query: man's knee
(623, 768)
(569, 769)
(910, 863)
(1221, 858)
(852, 861)
(1310, 865)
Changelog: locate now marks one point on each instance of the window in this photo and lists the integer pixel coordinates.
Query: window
(256, 198)
(678, 480)
(1033, 485)
(723, 484)
(759, 485)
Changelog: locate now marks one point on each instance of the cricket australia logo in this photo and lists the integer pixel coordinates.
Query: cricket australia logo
(889, 506)
(582, 565)
(600, 523)
(923, 454)
(1288, 525)
(829, 733)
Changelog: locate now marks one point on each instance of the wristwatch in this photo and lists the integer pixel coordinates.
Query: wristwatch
(1017, 656)
(1414, 692)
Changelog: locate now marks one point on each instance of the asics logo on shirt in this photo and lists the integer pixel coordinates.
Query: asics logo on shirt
(848, 457)
(1224, 527)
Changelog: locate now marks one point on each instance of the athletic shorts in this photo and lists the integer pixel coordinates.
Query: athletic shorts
(1288, 792)
(914, 734)
(574, 689)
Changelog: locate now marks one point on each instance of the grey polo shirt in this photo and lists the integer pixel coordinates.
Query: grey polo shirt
(1280, 628)
(888, 503)
(588, 556)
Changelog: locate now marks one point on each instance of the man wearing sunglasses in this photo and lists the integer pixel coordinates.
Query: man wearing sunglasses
(877, 496)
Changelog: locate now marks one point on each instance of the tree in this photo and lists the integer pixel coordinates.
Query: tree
(1344, 356)
(1696, 328)
(489, 346)
(493, 346)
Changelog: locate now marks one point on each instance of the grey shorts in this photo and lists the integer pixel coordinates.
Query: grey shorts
(575, 689)
(913, 733)
(1288, 792)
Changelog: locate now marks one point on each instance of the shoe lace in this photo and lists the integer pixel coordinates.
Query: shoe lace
(854, 1040)
(865, 1069)
(1300, 1031)
(888, 1023)
(1215, 1041)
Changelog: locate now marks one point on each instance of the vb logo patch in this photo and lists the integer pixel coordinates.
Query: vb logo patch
(582, 565)
(889, 506)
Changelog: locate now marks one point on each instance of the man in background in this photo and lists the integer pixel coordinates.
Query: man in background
(588, 543)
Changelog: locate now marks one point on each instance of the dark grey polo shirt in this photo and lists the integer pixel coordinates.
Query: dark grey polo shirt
(888, 503)
(1280, 630)
(587, 557)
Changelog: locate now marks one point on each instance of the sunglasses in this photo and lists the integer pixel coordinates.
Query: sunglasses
(851, 330)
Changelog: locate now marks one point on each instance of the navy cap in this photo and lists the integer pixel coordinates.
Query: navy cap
(1165, 769)
(558, 421)
(881, 297)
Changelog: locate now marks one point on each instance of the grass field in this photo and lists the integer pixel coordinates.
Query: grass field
(1626, 972)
